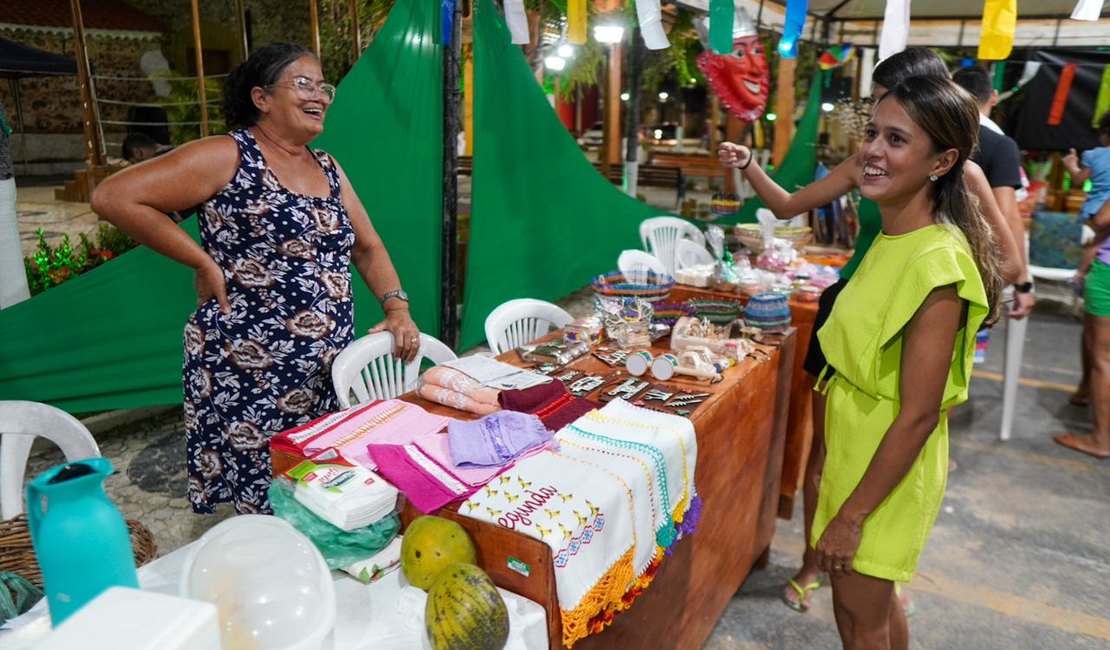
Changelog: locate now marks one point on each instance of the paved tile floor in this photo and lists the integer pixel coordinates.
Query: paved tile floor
(1019, 557)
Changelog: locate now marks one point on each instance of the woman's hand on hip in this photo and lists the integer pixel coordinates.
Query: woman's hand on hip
(406, 335)
(838, 545)
(209, 282)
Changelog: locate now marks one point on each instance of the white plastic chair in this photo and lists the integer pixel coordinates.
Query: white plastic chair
(20, 423)
(368, 369)
(521, 321)
(635, 264)
(688, 253)
(659, 234)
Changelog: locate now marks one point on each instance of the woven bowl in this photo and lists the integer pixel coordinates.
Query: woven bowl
(719, 312)
(651, 286)
(751, 235)
(667, 313)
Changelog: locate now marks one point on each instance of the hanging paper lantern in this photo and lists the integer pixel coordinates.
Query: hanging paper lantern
(741, 79)
(835, 57)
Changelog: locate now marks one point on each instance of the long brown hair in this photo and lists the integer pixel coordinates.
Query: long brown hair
(950, 117)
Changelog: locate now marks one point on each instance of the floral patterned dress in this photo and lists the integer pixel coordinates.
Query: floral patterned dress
(266, 366)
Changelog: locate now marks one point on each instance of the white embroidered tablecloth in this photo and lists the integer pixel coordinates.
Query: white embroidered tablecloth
(583, 512)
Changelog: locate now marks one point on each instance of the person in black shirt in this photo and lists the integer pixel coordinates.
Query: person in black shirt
(1000, 159)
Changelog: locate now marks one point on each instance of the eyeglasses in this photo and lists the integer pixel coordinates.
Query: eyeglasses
(307, 89)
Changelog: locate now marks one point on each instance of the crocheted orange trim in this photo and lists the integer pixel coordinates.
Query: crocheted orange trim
(608, 590)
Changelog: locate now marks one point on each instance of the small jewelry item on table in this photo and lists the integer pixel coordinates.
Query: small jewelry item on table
(546, 368)
(567, 376)
(585, 385)
(627, 390)
(557, 352)
(611, 357)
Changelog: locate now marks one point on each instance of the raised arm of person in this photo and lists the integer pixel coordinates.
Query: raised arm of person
(1079, 174)
(136, 201)
(841, 180)
(924, 375)
(376, 268)
(1007, 227)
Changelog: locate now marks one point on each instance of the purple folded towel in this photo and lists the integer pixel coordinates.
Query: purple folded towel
(495, 439)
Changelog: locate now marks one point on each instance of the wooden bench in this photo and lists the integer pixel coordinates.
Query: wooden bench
(691, 164)
(647, 175)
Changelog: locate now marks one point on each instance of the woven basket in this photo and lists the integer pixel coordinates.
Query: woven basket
(18, 556)
(719, 312)
(652, 287)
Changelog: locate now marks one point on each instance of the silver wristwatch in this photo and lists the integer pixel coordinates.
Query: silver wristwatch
(396, 293)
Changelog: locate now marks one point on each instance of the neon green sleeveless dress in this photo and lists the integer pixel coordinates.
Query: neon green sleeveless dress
(863, 340)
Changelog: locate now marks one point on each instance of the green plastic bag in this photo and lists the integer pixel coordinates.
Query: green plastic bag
(339, 548)
(17, 595)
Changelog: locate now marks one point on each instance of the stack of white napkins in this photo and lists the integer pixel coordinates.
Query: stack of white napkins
(344, 494)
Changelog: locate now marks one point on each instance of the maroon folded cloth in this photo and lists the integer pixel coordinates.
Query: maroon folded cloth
(551, 402)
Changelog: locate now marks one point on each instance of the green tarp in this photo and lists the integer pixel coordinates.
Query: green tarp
(111, 338)
(543, 220)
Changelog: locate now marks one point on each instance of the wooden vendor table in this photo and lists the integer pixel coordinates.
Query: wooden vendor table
(740, 450)
(799, 425)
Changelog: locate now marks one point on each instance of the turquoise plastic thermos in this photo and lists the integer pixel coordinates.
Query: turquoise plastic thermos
(79, 535)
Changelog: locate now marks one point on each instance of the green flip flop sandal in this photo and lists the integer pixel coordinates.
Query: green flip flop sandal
(803, 595)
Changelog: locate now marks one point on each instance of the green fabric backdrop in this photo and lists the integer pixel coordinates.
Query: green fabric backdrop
(111, 338)
(543, 220)
(386, 130)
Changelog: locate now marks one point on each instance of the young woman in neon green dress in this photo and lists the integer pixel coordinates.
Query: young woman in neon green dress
(902, 338)
(911, 62)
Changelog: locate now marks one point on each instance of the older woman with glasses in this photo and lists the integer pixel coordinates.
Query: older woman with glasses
(279, 225)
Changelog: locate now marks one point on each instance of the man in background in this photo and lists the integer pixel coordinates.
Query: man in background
(1000, 159)
(138, 147)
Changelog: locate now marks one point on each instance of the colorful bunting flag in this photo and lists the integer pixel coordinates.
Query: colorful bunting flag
(1087, 10)
(896, 28)
(1060, 100)
(720, 26)
(1102, 103)
(517, 20)
(996, 39)
(649, 14)
(576, 22)
(795, 22)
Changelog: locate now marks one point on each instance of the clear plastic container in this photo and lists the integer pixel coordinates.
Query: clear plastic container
(269, 583)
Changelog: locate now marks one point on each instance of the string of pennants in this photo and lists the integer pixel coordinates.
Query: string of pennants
(995, 43)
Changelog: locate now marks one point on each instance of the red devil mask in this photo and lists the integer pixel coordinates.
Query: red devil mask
(741, 79)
